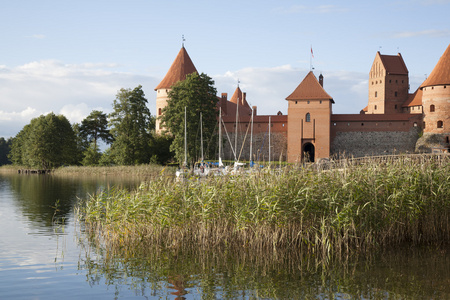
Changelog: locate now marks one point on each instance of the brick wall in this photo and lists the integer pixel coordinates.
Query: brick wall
(260, 147)
(364, 143)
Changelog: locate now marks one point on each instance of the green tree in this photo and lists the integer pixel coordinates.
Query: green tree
(130, 127)
(92, 129)
(198, 94)
(47, 142)
(91, 155)
(160, 148)
(81, 144)
(5, 147)
(95, 127)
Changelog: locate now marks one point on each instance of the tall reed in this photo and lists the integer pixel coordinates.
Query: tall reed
(333, 209)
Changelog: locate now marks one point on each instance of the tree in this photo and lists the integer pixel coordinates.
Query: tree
(130, 127)
(5, 147)
(95, 127)
(47, 142)
(198, 94)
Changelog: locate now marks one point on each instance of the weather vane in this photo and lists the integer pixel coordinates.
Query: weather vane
(182, 40)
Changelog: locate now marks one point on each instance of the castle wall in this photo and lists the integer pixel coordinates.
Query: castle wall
(363, 135)
(260, 145)
(260, 148)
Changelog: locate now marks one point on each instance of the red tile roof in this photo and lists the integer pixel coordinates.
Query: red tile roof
(441, 72)
(181, 67)
(394, 64)
(238, 95)
(414, 99)
(309, 89)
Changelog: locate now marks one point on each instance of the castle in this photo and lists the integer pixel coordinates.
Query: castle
(393, 122)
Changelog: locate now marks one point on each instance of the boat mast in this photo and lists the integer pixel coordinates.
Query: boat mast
(220, 136)
(201, 135)
(235, 130)
(185, 138)
(269, 137)
(251, 141)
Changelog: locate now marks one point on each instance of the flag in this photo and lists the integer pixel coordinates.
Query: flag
(312, 54)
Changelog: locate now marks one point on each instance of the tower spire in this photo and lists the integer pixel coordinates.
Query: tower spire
(182, 40)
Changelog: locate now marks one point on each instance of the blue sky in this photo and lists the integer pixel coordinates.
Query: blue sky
(71, 57)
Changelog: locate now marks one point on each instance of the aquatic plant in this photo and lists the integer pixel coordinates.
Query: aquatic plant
(336, 208)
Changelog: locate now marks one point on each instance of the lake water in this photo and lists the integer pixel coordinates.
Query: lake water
(45, 255)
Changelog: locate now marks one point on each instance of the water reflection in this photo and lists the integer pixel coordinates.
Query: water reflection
(42, 199)
(87, 269)
(401, 274)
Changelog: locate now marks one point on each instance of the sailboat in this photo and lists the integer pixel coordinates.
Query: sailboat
(183, 171)
(201, 169)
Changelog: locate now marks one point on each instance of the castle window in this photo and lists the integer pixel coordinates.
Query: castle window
(320, 101)
(376, 82)
(283, 124)
(308, 117)
(381, 81)
(375, 107)
(395, 94)
(396, 81)
(308, 101)
(296, 102)
(362, 124)
(440, 124)
(334, 124)
(159, 111)
(390, 81)
(415, 124)
(395, 106)
(423, 125)
(432, 108)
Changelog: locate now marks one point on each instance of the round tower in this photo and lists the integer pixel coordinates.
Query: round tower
(181, 66)
(436, 104)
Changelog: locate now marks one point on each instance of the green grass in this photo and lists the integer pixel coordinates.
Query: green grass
(331, 209)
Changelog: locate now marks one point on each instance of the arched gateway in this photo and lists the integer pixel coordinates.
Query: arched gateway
(308, 152)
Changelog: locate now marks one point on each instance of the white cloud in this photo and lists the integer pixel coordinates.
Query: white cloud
(414, 34)
(38, 36)
(320, 9)
(32, 89)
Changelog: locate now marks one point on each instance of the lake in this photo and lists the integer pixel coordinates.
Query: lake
(46, 255)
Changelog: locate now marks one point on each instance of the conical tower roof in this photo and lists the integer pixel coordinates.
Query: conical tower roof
(309, 89)
(239, 96)
(441, 72)
(181, 67)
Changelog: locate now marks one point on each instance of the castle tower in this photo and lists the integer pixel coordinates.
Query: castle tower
(436, 98)
(388, 84)
(181, 67)
(309, 114)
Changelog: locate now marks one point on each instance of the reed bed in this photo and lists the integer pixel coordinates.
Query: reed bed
(151, 170)
(331, 209)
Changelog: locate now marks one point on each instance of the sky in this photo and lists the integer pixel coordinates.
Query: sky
(72, 57)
